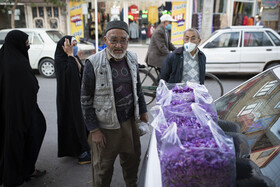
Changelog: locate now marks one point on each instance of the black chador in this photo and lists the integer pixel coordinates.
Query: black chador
(22, 124)
(72, 135)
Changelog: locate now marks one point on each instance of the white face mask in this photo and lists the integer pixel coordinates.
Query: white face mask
(189, 47)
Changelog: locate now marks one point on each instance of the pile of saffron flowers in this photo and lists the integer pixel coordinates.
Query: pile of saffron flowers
(193, 150)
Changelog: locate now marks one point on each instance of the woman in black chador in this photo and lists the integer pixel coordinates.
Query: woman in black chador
(22, 124)
(72, 134)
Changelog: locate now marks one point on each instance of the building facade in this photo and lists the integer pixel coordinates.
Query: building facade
(141, 15)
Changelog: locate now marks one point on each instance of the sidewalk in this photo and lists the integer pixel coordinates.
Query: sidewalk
(140, 50)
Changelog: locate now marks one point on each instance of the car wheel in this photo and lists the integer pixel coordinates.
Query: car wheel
(271, 65)
(46, 68)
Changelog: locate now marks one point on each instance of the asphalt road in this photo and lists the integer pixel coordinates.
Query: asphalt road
(66, 171)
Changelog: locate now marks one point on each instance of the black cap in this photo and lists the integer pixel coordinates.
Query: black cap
(116, 25)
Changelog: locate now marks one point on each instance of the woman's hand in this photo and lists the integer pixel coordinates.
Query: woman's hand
(67, 47)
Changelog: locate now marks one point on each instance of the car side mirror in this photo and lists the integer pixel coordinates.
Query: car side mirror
(210, 45)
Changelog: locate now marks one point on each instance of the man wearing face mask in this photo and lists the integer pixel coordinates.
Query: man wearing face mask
(160, 45)
(75, 47)
(186, 63)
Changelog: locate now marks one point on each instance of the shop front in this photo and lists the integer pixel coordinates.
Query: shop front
(143, 17)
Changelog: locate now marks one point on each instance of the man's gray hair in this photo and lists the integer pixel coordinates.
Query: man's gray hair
(193, 29)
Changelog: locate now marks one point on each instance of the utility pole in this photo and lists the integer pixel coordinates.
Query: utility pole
(207, 18)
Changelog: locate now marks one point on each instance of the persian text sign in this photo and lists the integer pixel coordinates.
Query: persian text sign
(76, 19)
(178, 27)
(270, 3)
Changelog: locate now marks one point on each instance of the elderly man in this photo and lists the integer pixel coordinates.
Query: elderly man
(160, 45)
(186, 63)
(112, 103)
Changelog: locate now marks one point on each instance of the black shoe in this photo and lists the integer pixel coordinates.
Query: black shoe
(85, 160)
(38, 173)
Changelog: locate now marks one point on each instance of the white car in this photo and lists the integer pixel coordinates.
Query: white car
(241, 49)
(42, 48)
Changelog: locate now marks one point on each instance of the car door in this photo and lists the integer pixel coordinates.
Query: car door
(36, 48)
(257, 49)
(223, 53)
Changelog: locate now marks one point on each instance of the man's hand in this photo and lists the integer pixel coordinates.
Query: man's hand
(144, 117)
(67, 47)
(99, 138)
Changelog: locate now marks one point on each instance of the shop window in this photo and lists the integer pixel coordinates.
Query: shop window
(256, 39)
(197, 14)
(243, 13)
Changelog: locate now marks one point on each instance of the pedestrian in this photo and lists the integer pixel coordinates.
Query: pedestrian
(72, 133)
(259, 21)
(22, 124)
(187, 63)
(160, 44)
(75, 48)
(112, 103)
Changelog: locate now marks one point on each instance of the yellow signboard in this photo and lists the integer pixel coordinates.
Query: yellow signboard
(76, 19)
(178, 27)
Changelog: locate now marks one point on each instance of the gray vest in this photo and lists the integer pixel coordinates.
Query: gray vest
(104, 100)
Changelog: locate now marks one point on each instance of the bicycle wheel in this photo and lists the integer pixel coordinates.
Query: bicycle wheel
(149, 85)
(214, 85)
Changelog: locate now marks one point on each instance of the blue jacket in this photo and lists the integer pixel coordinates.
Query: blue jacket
(172, 66)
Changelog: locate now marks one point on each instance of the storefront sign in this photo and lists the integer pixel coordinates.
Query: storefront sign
(76, 19)
(178, 27)
(270, 3)
(270, 14)
(245, 1)
(133, 11)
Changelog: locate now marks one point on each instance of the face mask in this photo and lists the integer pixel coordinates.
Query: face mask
(28, 47)
(75, 50)
(168, 27)
(189, 47)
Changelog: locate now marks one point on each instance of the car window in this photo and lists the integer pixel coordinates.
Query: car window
(33, 38)
(2, 37)
(274, 38)
(55, 35)
(229, 39)
(256, 39)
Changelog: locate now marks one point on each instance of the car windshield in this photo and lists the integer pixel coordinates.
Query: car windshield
(208, 37)
(55, 35)
(255, 106)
